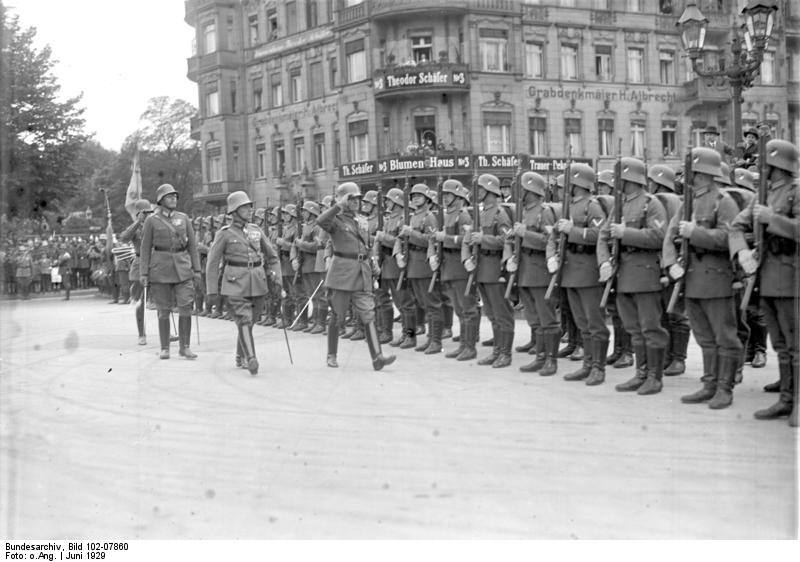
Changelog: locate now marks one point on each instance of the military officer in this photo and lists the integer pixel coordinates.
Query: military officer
(709, 277)
(169, 262)
(532, 275)
(349, 277)
(641, 236)
(133, 235)
(580, 277)
(777, 267)
(490, 237)
(309, 244)
(283, 244)
(239, 255)
(272, 306)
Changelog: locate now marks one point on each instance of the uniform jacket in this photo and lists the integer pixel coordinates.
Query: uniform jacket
(285, 248)
(671, 203)
(580, 261)
(424, 223)
(532, 271)
(350, 268)
(241, 255)
(709, 273)
(391, 226)
(645, 223)
(169, 249)
(24, 265)
(778, 270)
(308, 244)
(133, 236)
(495, 226)
(452, 266)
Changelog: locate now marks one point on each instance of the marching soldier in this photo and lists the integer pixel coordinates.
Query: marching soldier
(709, 278)
(580, 277)
(169, 262)
(641, 236)
(133, 235)
(243, 258)
(777, 269)
(284, 246)
(349, 278)
(494, 229)
(453, 274)
(309, 244)
(532, 276)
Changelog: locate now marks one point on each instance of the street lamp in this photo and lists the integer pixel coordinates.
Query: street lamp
(759, 21)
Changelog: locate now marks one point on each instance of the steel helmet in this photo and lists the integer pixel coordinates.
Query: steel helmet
(560, 180)
(143, 205)
(237, 199)
(290, 209)
(312, 207)
(327, 201)
(163, 190)
(395, 195)
(260, 212)
(633, 170)
(463, 192)
(606, 177)
(371, 196)
(533, 182)
(490, 183)
(783, 155)
(419, 188)
(583, 176)
(348, 188)
(274, 210)
(662, 175)
(743, 178)
(451, 186)
(706, 161)
(725, 176)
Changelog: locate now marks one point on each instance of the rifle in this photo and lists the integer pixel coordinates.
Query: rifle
(617, 219)
(555, 280)
(404, 241)
(298, 254)
(758, 228)
(376, 246)
(516, 191)
(683, 259)
(440, 218)
(476, 226)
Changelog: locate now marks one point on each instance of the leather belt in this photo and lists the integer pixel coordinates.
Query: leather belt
(170, 249)
(451, 250)
(415, 248)
(491, 252)
(580, 248)
(243, 263)
(348, 255)
(530, 251)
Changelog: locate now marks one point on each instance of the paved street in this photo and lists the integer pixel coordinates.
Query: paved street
(102, 439)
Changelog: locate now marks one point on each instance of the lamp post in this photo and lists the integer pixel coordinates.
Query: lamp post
(744, 66)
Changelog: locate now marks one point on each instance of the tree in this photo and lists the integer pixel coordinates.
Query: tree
(40, 136)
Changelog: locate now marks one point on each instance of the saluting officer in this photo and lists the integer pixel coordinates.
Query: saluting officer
(494, 229)
(532, 275)
(777, 267)
(349, 277)
(709, 277)
(242, 256)
(641, 236)
(169, 262)
(580, 277)
(133, 235)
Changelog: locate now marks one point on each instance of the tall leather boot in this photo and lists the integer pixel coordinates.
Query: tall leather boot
(784, 405)
(679, 342)
(640, 353)
(140, 323)
(655, 371)
(528, 346)
(495, 349)
(385, 332)
(461, 345)
(239, 358)
(598, 374)
(618, 331)
(403, 331)
(359, 333)
(469, 336)
(184, 337)
(437, 327)
(709, 379)
(447, 321)
(795, 388)
(410, 341)
(249, 349)
(726, 372)
(586, 368)
(378, 360)
(333, 342)
(319, 321)
(504, 350)
(625, 358)
(550, 366)
(541, 357)
(163, 335)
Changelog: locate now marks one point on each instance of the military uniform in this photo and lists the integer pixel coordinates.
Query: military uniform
(383, 301)
(310, 244)
(133, 236)
(284, 245)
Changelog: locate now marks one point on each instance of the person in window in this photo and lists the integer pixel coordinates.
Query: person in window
(712, 140)
(748, 148)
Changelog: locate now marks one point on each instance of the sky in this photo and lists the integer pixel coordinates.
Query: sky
(119, 53)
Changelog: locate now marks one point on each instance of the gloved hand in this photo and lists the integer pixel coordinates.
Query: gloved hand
(405, 230)
(605, 271)
(762, 213)
(685, 229)
(519, 229)
(676, 271)
(439, 236)
(511, 264)
(552, 265)
(144, 280)
(470, 264)
(433, 262)
(476, 237)
(564, 225)
(748, 261)
(617, 230)
(401, 261)
(295, 264)
(376, 269)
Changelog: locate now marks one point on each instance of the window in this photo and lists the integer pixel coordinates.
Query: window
(533, 60)
(537, 134)
(312, 16)
(605, 128)
(258, 94)
(768, 68)
(634, 6)
(209, 38)
(276, 93)
(232, 88)
(214, 162)
(665, 6)
(602, 62)
(637, 139)
(329, 9)
(252, 25)
(356, 61)
(668, 144)
(316, 83)
(567, 3)
(235, 158)
(229, 35)
(600, 4)
(425, 130)
(212, 103)
(493, 45)
(272, 25)
(332, 67)
(337, 149)
(422, 48)
(261, 160)
(697, 132)
(666, 60)
(319, 151)
(295, 86)
(357, 132)
(497, 132)
(635, 65)
(278, 159)
(291, 18)
(299, 160)
(569, 62)
(572, 132)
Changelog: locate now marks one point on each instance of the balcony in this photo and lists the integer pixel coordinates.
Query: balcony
(706, 90)
(192, 67)
(351, 15)
(215, 191)
(501, 6)
(194, 127)
(436, 77)
(389, 8)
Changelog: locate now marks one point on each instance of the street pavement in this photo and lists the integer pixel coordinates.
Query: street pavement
(100, 438)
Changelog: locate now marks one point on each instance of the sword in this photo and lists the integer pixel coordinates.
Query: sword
(305, 306)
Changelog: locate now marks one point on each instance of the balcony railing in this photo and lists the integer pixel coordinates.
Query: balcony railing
(384, 8)
(425, 77)
(352, 14)
(705, 90)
